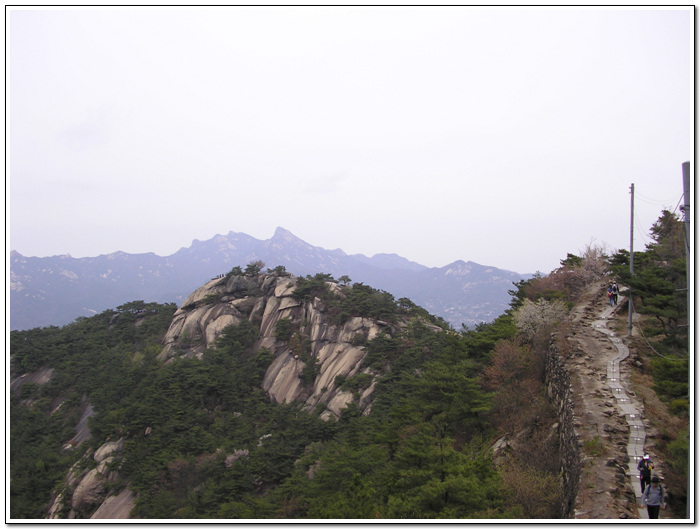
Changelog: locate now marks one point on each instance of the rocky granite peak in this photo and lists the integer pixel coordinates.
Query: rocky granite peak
(282, 235)
(333, 350)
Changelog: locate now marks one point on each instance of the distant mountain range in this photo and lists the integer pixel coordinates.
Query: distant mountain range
(56, 290)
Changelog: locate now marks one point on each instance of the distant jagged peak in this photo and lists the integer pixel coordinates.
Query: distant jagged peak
(220, 241)
(285, 238)
(462, 268)
(225, 242)
(470, 265)
(465, 266)
(285, 235)
(16, 256)
(389, 261)
(237, 235)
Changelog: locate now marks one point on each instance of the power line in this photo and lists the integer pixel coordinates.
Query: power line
(654, 201)
(679, 203)
(652, 348)
(642, 231)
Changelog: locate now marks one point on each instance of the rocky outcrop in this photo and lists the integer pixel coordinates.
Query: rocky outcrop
(211, 308)
(117, 507)
(40, 377)
(87, 487)
(82, 429)
(331, 349)
(317, 344)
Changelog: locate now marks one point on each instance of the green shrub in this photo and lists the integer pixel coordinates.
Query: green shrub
(358, 382)
(679, 449)
(254, 268)
(310, 372)
(670, 377)
(381, 349)
(278, 271)
(309, 287)
(680, 407)
(594, 447)
(365, 301)
(210, 299)
(284, 329)
(358, 340)
(235, 271)
(238, 337)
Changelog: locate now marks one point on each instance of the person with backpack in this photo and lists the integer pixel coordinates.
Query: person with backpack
(610, 295)
(644, 466)
(615, 291)
(654, 497)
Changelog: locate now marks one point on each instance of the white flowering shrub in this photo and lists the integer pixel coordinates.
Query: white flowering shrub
(533, 317)
(594, 263)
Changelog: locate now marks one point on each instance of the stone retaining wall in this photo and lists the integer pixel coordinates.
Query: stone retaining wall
(559, 392)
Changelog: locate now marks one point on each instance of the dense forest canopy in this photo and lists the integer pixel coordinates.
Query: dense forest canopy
(203, 440)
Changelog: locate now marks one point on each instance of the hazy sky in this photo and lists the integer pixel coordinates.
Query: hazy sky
(506, 136)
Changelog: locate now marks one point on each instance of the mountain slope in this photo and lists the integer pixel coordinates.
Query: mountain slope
(259, 377)
(56, 290)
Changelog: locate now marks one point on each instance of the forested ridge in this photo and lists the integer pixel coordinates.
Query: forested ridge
(203, 440)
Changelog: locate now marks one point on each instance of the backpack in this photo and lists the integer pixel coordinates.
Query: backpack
(662, 493)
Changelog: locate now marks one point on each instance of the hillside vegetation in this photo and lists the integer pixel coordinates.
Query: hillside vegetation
(659, 290)
(203, 440)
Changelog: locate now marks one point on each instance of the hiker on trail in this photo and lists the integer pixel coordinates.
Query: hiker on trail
(654, 497)
(615, 291)
(644, 466)
(610, 295)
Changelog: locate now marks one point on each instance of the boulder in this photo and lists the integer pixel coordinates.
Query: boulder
(56, 507)
(107, 449)
(89, 490)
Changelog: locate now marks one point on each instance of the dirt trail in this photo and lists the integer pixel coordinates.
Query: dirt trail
(609, 417)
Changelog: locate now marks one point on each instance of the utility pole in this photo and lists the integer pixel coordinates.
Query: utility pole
(629, 287)
(686, 218)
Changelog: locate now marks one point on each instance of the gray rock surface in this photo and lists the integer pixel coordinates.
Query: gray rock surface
(265, 300)
(117, 507)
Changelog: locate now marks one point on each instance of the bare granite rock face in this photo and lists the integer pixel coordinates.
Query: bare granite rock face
(89, 490)
(265, 300)
(117, 507)
(107, 449)
(88, 487)
(40, 377)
